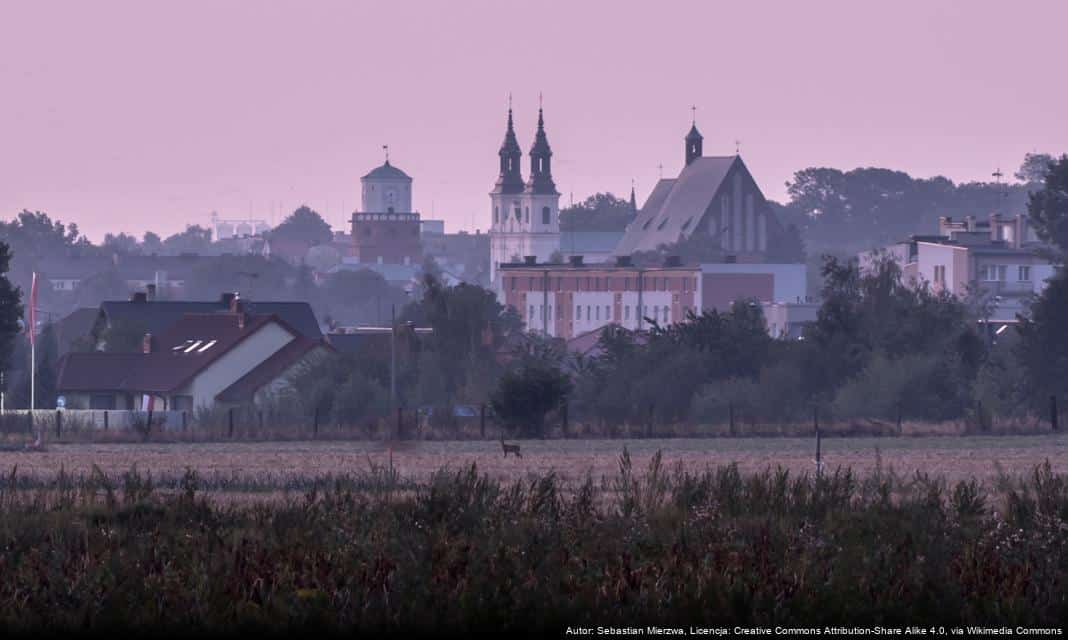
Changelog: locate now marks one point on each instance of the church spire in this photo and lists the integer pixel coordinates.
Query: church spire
(633, 200)
(510, 179)
(694, 140)
(541, 176)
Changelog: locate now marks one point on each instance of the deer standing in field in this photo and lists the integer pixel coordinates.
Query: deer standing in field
(510, 448)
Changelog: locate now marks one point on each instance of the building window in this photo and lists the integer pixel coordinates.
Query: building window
(598, 312)
(528, 214)
(588, 286)
(546, 214)
(513, 283)
(607, 312)
(518, 214)
(530, 284)
(608, 284)
(626, 284)
(531, 312)
(940, 274)
(626, 312)
(578, 312)
(596, 284)
(1023, 273)
(587, 313)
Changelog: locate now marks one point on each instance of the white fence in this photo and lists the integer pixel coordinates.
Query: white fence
(95, 419)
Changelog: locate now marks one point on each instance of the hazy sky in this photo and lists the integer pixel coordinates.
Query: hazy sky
(148, 115)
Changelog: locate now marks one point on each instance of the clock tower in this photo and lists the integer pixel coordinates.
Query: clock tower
(386, 230)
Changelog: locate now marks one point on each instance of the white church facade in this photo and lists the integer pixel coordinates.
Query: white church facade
(526, 215)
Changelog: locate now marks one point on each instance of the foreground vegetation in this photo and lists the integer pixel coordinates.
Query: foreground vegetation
(374, 551)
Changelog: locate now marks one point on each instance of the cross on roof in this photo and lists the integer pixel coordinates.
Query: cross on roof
(693, 110)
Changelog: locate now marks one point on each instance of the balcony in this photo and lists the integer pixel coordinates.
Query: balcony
(1007, 287)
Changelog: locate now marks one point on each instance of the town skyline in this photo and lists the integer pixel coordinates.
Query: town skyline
(118, 142)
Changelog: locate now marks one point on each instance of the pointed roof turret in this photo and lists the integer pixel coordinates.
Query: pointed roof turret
(541, 175)
(510, 179)
(694, 140)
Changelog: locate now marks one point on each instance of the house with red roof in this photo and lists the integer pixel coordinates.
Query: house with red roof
(201, 361)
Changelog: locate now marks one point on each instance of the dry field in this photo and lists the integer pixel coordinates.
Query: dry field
(277, 464)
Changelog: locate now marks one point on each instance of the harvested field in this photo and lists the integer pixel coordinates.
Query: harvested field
(269, 466)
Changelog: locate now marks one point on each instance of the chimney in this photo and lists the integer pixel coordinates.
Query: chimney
(623, 261)
(151, 291)
(530, 260)
(139, 296)
(146, 343)
(227, 298)
(576, 261)
(672, 261)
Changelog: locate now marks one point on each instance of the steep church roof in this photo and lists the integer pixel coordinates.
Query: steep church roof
(675, 206)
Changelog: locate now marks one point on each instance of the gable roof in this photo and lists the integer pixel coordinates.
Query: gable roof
(269, 370)
(178, 355)
(675, 207)
(156, 316)
(77, 324)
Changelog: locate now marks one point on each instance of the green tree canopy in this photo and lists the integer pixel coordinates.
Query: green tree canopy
(1048, 207)
(599, 212)
(10, 309)
(304, 225)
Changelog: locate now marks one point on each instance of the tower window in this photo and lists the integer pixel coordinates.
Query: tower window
(496, 214)
(546, 214)
(518, 213)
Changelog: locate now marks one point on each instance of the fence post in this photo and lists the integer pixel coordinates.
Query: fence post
(564, 422)
(1053, 413)
(261, 421)
(59, 423)
(482, 420)
(230, 414)
(315, 423)
(105, 419)
(148, 429)
(899, 417)
(730, 417)
(400, 424)
(29, 416)
(649, 424)
(184, 423)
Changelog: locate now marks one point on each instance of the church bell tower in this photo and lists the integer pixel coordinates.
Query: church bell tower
(526, 217)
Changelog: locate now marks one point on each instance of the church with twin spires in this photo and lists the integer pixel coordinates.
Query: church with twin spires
(526, 215)
(714, 199)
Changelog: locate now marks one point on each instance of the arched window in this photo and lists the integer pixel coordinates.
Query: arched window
(546, 214)
(496, 214)
(528, 214)
(389, 210)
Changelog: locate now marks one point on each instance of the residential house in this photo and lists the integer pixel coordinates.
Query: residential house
(998, 261)
(203, 360)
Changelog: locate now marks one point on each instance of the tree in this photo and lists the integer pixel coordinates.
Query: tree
(1048, 207)
(151, 244)
(121, 243)
(1043, 346)
(10, 309)
(526, 395)
(304, 225)
(1034, 168)
(106, 285)
(194, 239)
(599, 212)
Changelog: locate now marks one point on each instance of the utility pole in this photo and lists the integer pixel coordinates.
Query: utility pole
(393, 356)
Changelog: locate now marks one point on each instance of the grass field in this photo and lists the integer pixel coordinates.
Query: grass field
(274, 464)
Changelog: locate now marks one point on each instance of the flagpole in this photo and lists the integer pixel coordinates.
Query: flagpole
(33, 342)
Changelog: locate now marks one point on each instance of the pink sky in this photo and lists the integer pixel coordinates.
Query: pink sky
(132, 116)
